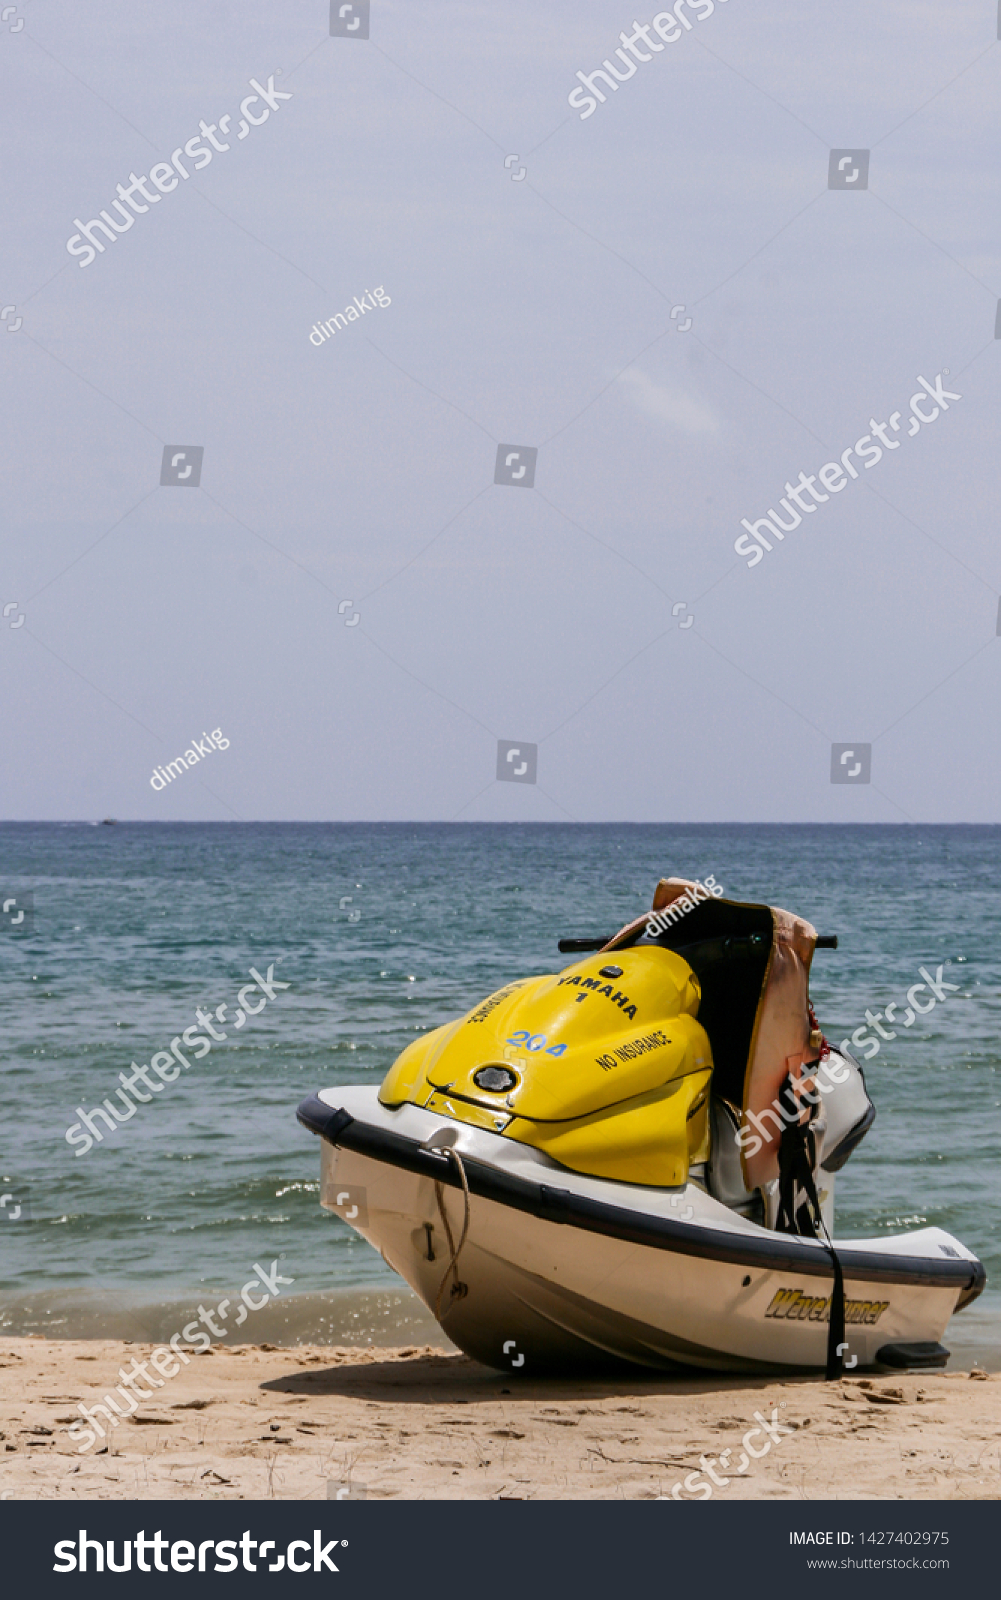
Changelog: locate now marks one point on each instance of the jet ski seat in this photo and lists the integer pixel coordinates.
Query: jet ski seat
(753, 966)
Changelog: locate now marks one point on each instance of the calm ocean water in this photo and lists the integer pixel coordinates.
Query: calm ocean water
(384, 931)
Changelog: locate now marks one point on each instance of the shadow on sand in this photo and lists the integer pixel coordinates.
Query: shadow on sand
(428, 1377)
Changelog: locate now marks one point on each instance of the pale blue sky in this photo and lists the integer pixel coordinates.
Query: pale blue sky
(532, 311)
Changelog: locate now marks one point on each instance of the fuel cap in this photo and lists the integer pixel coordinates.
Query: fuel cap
(496, 1079)
(610, 972)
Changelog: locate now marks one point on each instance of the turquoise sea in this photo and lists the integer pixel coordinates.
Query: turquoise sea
(382, 932)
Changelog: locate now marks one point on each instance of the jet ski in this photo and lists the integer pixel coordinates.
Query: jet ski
(633, 1161)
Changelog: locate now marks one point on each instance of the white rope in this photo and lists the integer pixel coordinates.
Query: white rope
(458, 1290)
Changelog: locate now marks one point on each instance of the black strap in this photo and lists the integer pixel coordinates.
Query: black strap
(797, 1158)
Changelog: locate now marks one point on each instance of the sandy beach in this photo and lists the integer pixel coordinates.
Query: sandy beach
(256, 1422)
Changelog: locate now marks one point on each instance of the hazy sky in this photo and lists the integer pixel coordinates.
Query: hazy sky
(347, 593)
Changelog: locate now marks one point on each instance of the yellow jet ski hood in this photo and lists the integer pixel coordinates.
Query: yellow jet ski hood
(564, 1045)
(603, 1066)
(606, 1064)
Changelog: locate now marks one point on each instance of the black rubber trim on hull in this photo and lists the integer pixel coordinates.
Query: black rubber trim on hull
(777, 1253)
(923, 1355)
(837, 1158)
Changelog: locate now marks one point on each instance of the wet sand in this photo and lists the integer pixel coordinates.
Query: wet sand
(255, 1422)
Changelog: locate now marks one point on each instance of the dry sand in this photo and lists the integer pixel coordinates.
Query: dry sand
(258, 1422)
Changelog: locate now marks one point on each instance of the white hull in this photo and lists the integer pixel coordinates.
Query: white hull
(710, 1290)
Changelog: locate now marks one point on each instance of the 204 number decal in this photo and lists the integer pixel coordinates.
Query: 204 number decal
(534, 1041)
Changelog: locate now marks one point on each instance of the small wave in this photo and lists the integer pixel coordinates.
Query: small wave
(352, 1317)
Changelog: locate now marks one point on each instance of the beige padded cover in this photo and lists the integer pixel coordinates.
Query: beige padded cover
(781, 1038)
(780, 1042)
(670, 889)
(782, 1035)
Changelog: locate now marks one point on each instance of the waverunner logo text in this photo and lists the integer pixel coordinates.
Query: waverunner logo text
(792, 1305)
(164, 1062)
(753, 543)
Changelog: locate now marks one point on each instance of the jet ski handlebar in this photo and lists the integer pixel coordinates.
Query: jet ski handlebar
(733, 946)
